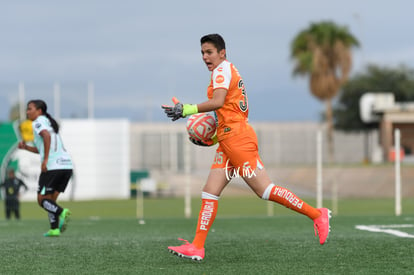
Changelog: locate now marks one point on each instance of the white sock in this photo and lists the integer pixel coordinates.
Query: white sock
(266, 193)
(209, 196)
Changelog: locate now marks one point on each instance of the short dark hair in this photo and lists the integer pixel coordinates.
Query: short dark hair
(214, 39)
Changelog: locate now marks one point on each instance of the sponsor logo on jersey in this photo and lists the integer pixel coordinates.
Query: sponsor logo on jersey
(219, 79)
(63, 161)
(37, 125)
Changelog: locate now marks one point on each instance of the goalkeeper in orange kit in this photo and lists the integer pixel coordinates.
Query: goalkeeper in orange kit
(237, 153)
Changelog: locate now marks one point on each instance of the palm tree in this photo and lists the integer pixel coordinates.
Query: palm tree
(323, 53)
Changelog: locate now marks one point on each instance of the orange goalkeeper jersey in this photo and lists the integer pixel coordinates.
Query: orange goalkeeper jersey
(232, 117)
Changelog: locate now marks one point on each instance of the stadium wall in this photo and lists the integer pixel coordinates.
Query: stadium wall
(101, 153)
(288, 151)
(160, 146)
(106, 151)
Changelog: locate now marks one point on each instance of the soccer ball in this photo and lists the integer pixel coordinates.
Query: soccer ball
(201, 126)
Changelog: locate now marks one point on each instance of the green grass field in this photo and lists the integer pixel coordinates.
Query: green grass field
(105, 237)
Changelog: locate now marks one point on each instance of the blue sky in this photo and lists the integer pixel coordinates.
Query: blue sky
(141, 53)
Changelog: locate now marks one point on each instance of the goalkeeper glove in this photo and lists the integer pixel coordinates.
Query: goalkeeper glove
(209, 142)
(179, 110)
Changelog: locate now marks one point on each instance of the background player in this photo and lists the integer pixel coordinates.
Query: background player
(12, 187)
(56, 167)
(237, 153)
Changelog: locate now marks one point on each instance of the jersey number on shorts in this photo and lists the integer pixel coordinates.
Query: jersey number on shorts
(218, 159)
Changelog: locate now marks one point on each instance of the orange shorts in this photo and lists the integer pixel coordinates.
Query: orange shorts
(238, 155)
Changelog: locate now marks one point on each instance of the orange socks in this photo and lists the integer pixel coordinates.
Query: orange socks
(285, 197)
(205, 218)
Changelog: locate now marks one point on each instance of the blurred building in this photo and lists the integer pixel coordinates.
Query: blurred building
(391, 115)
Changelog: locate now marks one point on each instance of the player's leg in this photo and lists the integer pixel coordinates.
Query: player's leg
(244, 155)
(8, 209)
(60, 187)
(47, 203)
(17, 209)
(45, 199)
(215, 184)
(53, 211)
(265, 189)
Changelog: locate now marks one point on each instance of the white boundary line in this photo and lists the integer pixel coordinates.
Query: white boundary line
(387, 229)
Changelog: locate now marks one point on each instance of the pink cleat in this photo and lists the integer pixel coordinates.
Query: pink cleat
(321, 224)
(187, 250)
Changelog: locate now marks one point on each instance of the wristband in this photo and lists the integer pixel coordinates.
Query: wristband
(189, 109)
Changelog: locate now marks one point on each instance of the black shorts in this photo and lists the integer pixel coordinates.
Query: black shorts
(53, 180)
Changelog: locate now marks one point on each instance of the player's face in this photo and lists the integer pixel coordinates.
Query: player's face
(11, 174)
(211, 56)
(32, 113)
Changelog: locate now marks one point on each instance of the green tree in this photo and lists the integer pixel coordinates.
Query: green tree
(375, 79)
(322, 52)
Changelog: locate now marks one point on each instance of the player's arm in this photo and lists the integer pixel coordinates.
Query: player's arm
(23, 184)
(219, 96)
(180, 110)
(24, 146)
(46, 144)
